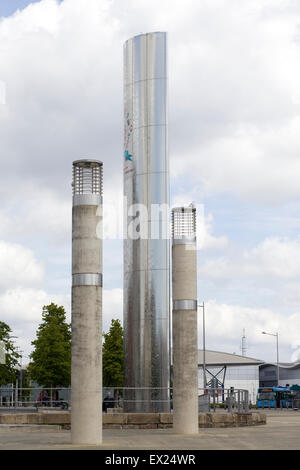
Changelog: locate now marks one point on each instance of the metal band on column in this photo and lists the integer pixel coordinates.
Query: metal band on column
(87, 200)
(184, 304)
(184, 241)
(87, 279)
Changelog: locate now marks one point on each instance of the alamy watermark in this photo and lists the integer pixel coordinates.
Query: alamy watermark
(120, 220)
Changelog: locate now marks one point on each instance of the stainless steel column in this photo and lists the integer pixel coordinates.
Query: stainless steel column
(147, 250)
(86, 368)
(184, 293)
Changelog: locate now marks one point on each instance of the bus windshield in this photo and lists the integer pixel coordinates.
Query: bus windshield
(266, 396)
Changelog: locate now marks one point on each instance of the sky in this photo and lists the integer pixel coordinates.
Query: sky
(234, 145)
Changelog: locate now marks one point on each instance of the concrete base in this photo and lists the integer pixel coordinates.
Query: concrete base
(137, 420)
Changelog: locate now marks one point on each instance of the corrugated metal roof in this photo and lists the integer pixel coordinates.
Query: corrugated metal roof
(217, 358)
(283, 365)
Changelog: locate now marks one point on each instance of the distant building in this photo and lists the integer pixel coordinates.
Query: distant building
(225, 370)
(289, 373)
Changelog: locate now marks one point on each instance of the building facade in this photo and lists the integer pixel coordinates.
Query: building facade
(225, 370)
(289, 373)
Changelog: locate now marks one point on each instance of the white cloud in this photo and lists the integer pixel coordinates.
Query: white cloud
(40, 212)
(234, 95)
(225, 324)
(18, 266)
(21, 308)
(205, 238)
(112, 307)
(258, 164)
(25, 304)
(274, 258)
(296, 354)
(2, 93)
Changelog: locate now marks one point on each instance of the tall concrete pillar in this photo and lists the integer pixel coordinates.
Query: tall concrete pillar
(184, 331)
(86, 375)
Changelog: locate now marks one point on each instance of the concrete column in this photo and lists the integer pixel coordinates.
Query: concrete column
(86, 369)
(185, 348)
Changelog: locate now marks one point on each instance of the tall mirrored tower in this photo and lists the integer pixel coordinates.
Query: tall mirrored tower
(146, 245)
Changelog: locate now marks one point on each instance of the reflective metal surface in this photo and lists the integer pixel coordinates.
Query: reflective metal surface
(184, 304)
(87, 279)
(87, 200)
(184, 241)
(146, 260)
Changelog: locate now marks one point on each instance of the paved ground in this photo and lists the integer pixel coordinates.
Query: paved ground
(281, 432)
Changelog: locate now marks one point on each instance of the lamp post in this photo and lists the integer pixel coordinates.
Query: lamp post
(20, 351)
(203, 348)
(276, 335)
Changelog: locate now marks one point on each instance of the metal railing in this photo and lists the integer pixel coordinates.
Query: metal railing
(231, 400)
(17, 397)
(124, 398)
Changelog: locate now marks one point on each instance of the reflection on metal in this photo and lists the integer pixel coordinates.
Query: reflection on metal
(87, 200)
(184, 304)
(88, 279)
(146, 182)
(2, 352)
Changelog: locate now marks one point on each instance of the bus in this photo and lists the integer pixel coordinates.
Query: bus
(274, 397)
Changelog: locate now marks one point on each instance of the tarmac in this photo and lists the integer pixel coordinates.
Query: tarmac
(281, 432)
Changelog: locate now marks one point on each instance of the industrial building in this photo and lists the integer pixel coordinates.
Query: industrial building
(225, 370)
(289, 373)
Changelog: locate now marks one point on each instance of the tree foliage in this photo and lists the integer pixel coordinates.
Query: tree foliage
(113, 356)
(50, 364)
(8, 371)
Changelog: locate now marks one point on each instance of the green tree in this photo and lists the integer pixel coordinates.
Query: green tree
(8, 371)
(113, 357)
(50, 364)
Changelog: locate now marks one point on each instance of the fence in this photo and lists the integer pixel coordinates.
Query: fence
(14, 397)
(212, 399)
(118, 399)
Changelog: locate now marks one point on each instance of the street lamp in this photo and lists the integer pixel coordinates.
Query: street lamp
(203, 329)
(276, 335)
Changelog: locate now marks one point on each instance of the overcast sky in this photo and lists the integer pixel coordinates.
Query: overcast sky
(234, 122)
